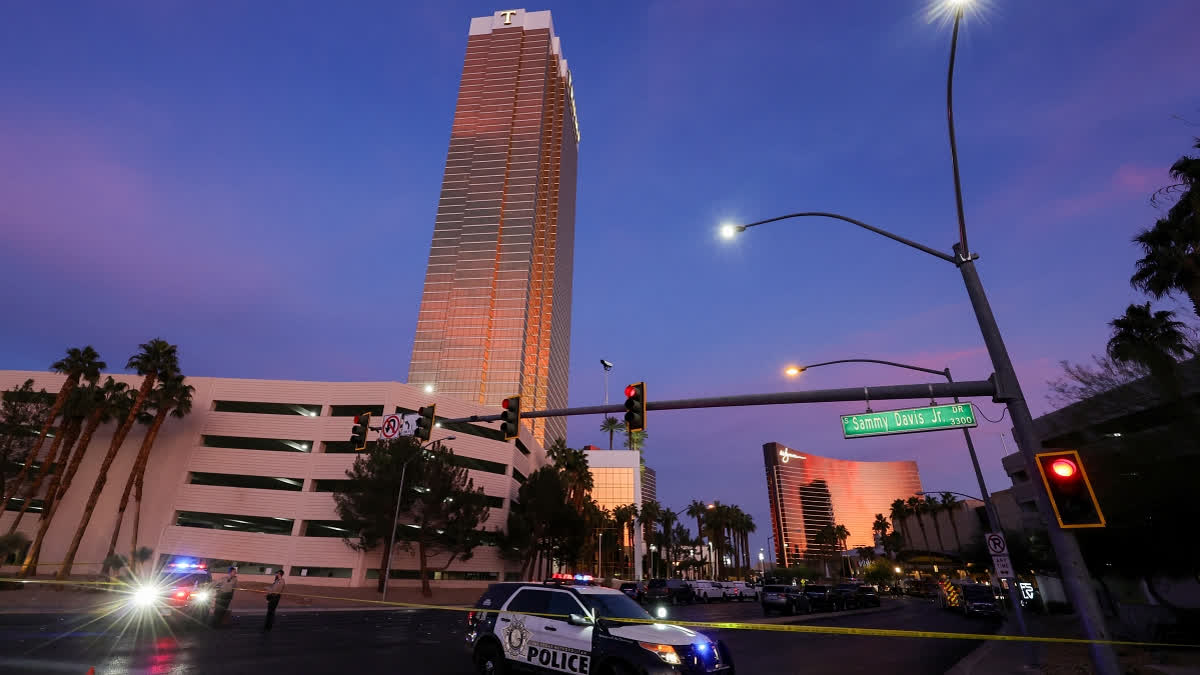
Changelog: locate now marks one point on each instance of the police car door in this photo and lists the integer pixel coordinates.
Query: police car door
(545, 643)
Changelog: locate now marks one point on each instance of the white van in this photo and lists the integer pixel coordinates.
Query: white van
(708, 591)
(740, 590)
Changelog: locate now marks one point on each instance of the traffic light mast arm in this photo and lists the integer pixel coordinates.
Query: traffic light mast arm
(966, 389)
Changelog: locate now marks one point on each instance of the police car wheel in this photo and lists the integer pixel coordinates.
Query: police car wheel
(489, 660)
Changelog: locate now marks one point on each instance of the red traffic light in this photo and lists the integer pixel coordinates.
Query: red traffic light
(630, 391)
(504, 403)
(356, 420)
(1063, 468)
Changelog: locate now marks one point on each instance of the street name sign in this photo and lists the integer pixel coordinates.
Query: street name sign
(909, 420)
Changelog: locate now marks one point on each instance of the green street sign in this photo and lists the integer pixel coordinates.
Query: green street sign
(909, 420)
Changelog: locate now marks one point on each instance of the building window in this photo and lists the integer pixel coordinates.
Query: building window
(373, 573)
(335, 447)
(241, 481)
(304, 409)
(248, 443)
(325, 528)
(330, 485)
(219, 567)
(322, 572)
(518, 476)
(521, 446)
(436, 575)
(355, 410)
(234, 522)
(479, 464)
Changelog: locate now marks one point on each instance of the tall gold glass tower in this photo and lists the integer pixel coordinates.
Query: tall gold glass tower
(495, 315)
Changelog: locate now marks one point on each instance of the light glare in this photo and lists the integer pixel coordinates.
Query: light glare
(792, 371)
(728, 231)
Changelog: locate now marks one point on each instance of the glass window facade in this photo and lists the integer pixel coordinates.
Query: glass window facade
(612, 487)
(496, 309)
(808, 492)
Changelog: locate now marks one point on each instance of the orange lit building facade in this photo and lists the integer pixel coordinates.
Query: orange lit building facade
(808, 492)
(495, 315)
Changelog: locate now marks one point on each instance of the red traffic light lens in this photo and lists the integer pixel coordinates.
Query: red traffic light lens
(504, 403)
(356, 420)
(1063, 468)
(630, 391)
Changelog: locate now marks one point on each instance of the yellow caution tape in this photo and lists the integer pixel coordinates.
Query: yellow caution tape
(721, 625)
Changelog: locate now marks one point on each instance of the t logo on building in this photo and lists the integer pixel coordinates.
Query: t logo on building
(508, 15)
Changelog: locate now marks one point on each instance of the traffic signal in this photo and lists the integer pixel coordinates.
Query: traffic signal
(510, 419)
(358, 435)
(635, 407)
(1070, 491)
(425, 423)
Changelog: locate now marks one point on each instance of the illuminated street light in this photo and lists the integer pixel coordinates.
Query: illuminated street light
(897, 570)
(792, 371)
(429, 389)
(729, 231)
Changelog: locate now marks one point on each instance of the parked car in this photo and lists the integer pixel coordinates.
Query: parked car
(820, 597)
(635, 590)
(785, 600)
(970, 598)
(708, 591)
(739, 590)
(867, 596)
(674, 591)
(845, 596)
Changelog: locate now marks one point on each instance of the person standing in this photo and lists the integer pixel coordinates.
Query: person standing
(274, 592)
(225, 589)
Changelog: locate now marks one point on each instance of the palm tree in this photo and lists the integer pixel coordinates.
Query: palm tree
(949, 505)
(119, 401)
(1171, 263)
(103, 401)
(748, 528)
(668, 518)
(634, 440)
(79, 364)
(916, 507)
(1154, 340)
(650, 514)
(73, 414)
(898, 514)
(153, 360)
(577, 476)
(932, 507)
(173, 397)
(611, 426)
(696, 509)
(826, 540)
(880, 527)
(624, 516)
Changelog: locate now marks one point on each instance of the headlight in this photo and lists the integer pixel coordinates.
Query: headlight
(664, 652)
(145, 596)
(661, 612)
(201, 596)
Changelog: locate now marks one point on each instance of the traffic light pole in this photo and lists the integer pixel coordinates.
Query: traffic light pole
(1070, 559)
(882, 393)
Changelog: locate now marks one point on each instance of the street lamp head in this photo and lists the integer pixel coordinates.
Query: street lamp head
(792, 371)
(429, 389)
(729, 231)
(607, 364)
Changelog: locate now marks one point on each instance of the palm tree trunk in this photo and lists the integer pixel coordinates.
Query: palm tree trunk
(59, 401)
(140, 479)
(35, 549)
(88, 510)
(61, 446)
(610, 438)
(143, 392)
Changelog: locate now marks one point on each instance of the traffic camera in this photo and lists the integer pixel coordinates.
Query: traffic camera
(635, 407)
(510, 419)
(358, 434)
(1071, 495)
(426, 422)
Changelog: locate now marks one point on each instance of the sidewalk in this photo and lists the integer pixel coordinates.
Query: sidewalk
(995, 657)
(49, 598)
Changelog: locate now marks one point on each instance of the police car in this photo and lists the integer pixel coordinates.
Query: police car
(572, 626)
(182, 588)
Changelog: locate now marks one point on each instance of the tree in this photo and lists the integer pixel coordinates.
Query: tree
(446, 513)
(826, 541)
(366, 504)
(22, 410)
(900, 511)
(880, 527)
(611, 426)
(1171, 260)
(174, 397)
(916, 507)
(651, 514)
(949, 504)
(698, 509)
(72, 415)
(153, 361)
(103, 401)
(574, 467)
(79, 363)
(878, 572)
(635, 440)
(122, 402)
(933, 507)
(624, 517)
(1154, 340)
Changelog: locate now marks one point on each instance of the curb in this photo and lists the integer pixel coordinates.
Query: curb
(969, 663)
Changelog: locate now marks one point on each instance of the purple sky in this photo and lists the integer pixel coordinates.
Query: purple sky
(259, 187)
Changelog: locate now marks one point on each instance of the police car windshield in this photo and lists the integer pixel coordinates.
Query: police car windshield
(614, 606)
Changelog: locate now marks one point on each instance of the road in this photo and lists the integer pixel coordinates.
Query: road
(425, 641)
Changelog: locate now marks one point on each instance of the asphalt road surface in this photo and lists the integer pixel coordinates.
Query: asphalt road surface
(428, 641)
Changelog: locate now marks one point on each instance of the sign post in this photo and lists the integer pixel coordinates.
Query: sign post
(909, 420)
(998, 548)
